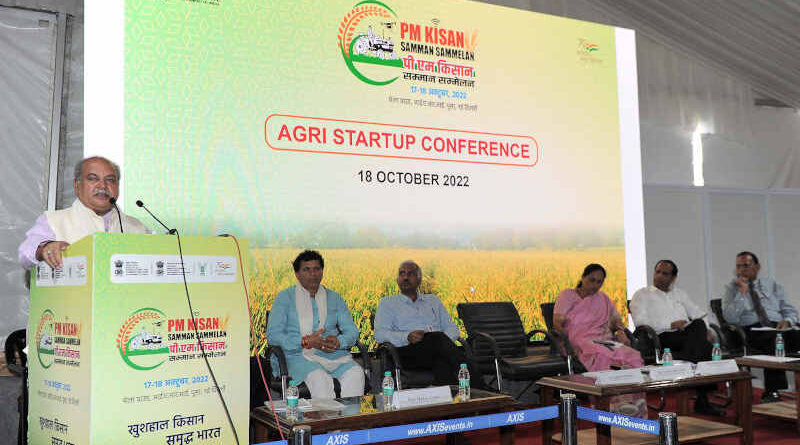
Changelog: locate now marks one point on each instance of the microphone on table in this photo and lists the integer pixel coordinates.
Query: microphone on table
(113, 202)
(141, 204)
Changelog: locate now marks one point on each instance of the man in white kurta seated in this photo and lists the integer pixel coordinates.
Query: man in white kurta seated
(678, 321)
(96, 181)
(316, 331)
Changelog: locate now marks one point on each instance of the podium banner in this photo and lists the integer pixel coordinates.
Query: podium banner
(119, 358)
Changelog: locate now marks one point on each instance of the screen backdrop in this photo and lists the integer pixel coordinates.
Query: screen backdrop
(484, 142)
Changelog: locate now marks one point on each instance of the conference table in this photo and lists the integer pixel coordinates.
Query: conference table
(782, 410)
(690, 429)
(366, 412)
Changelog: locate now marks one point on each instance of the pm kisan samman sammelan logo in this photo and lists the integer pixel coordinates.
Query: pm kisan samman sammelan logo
(45, 333)
(368, 41)
(367, 45)
(140, 339)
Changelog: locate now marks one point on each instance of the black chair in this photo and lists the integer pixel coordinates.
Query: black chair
(389, 360)
(258, 391)
(279, 383)
(17, 363)
(645, 340)
(501, 348)
(561, 340)
(732, 338)
(733, 342)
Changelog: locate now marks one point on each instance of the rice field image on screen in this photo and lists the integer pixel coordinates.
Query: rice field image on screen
(362, 276)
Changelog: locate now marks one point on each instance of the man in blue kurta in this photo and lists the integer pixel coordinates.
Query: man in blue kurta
(316, 331)
(422, 330)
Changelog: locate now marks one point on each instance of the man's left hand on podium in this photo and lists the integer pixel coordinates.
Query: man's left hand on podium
(50, 253)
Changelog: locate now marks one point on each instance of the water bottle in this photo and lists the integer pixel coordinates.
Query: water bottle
(463, 383)
(716, 353)
(666, 359)
(388, 390)
(779, 348)
(292, 393)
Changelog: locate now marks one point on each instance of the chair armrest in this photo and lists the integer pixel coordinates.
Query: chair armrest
(389, 349)
(627, 332)
(718, 334)
(479, 335)
(277, 351)
(563, 341)
(363, 351)
(467, 347)
(548, 340)
(533, 332)
(649, 333)
(739, 333)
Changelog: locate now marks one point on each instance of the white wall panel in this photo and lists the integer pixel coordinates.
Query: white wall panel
(28, 48)
(666, 155)
(738, 222)
(785, 216)
(731, 164)
(674, 230)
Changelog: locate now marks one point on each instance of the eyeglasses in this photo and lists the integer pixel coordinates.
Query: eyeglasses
(92, 179)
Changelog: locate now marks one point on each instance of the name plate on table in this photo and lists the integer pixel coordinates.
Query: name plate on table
(772, 358)
(716, 367)
(672, 372)
(279, 406)
(407, 398)
(621, 377)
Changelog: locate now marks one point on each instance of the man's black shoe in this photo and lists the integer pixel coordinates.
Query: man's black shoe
(769, 397)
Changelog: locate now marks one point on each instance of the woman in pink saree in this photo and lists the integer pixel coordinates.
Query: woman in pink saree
(586, 314)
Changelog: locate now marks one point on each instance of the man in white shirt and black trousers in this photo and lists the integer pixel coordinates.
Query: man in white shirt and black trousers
(678, 322)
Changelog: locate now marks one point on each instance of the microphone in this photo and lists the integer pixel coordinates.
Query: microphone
(113, 202)
(141, 204)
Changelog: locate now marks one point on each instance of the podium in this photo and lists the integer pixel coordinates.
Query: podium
(113, 351)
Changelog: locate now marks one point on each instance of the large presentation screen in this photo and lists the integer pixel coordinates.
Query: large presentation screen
(489, 144)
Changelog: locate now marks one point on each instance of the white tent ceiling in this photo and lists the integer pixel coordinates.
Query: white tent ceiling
(754, 41)
(757, 41)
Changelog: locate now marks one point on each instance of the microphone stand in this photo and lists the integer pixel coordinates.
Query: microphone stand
(113, 202)
(169, 231)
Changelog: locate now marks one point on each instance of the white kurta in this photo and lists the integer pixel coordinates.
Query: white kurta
(658, 309)
(78, 221)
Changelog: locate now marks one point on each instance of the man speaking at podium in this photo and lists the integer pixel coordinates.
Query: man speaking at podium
(96, 182)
